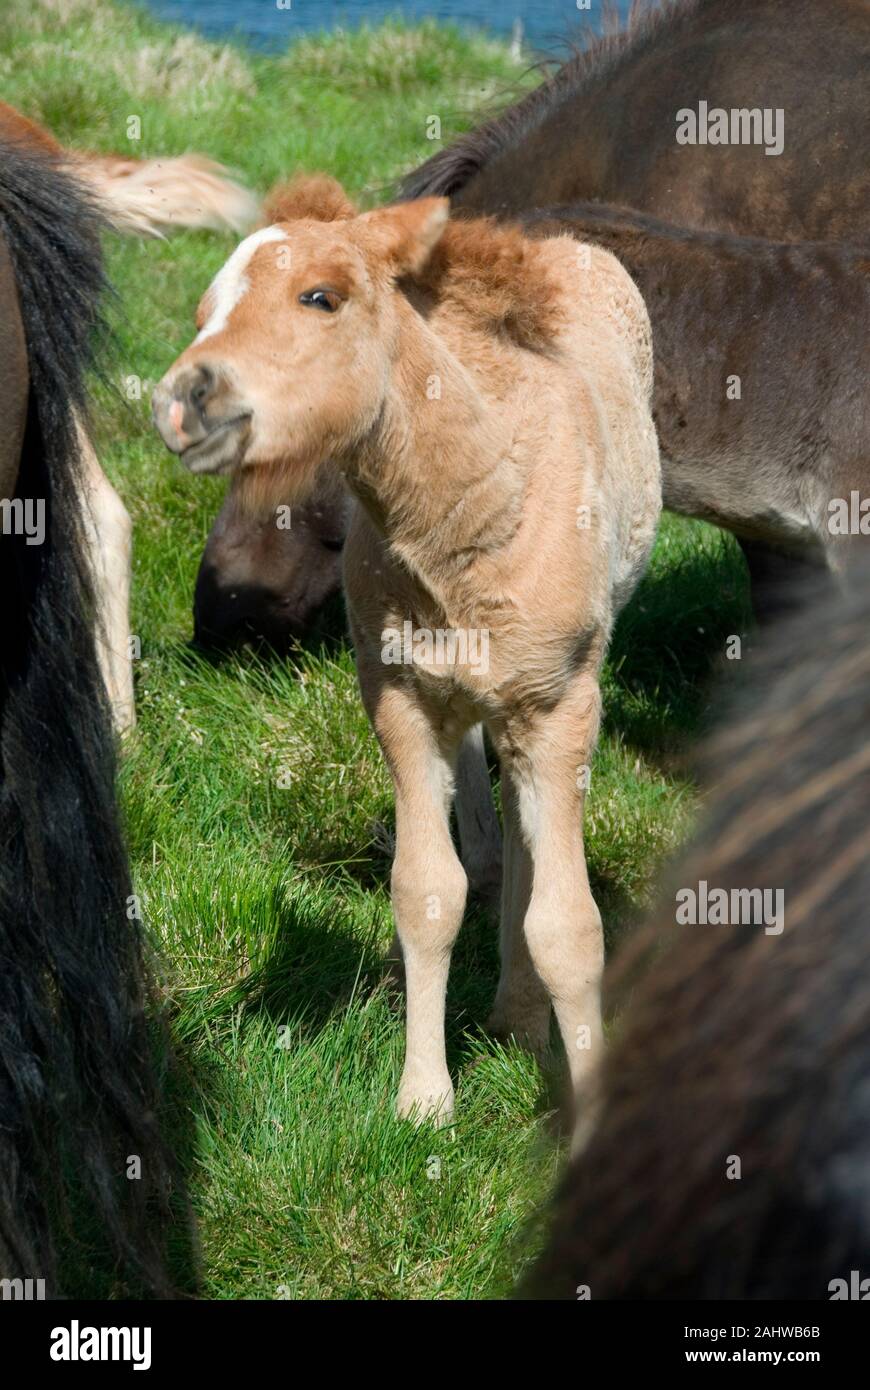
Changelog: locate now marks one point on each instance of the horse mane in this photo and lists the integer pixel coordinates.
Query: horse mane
(513, 284)
(593, 60)
(318, 197)
(497, 276)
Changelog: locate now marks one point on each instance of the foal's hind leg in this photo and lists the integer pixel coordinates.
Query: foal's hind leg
(108, 532)
(522, 1003)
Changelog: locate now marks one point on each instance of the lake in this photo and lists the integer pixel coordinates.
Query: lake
(263, 24)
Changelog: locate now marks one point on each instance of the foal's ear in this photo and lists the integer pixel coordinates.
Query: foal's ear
(407, 233)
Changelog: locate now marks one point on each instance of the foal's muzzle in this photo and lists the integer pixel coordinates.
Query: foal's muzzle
(196, 419)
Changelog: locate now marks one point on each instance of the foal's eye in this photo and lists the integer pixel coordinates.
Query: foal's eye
(327, 300)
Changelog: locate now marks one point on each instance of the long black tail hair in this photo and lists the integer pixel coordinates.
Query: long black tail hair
(79, 1134)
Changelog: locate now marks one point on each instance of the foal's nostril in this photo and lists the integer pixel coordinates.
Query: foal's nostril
(202, 388)
(187, 405)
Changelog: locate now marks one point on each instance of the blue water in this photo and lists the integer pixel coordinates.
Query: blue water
(264, 25)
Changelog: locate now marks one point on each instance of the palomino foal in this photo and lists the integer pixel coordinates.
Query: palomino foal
(488, 399)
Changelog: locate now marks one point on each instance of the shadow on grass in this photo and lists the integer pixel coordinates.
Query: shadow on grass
(316, 951)
(304, 954)
(669, 646)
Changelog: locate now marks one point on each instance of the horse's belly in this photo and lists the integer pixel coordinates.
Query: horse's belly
(754, 500)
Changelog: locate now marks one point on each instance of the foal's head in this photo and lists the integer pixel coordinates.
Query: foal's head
(296, 336)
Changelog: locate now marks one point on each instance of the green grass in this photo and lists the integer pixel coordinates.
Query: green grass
(254, 792)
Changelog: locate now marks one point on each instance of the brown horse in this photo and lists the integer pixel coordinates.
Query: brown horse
(604, 128)
(257, 580)
(143, 197)
(77, 1093)
(743, 445)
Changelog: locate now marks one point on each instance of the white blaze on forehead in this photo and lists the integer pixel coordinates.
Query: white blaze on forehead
(231, 283)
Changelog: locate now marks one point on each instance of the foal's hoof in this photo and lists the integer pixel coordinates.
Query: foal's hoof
(431, 1105)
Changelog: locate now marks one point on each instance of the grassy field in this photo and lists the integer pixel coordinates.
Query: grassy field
(254, 791)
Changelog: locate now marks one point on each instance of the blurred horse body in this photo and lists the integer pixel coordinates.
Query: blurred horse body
(731, 1158)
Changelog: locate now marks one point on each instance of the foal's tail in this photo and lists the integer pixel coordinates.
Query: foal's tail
(77, 1095)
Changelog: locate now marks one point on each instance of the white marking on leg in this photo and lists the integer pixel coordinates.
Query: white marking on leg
(108, 535)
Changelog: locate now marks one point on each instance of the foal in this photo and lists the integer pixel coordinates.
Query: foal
(488, 399)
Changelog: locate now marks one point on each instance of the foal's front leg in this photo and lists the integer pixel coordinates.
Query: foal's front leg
(428, 884)
(480, 843)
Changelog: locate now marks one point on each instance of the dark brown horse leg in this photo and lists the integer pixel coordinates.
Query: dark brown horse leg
(476, 819)
(780, 579)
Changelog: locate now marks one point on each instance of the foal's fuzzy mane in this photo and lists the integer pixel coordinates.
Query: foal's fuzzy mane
(499, 277)
(317, 197)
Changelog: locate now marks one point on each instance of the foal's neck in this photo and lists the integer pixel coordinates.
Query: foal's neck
(438, 473)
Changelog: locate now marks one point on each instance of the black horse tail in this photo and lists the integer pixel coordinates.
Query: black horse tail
(78, 1089)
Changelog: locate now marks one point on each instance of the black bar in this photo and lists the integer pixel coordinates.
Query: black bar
(223, 1339)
